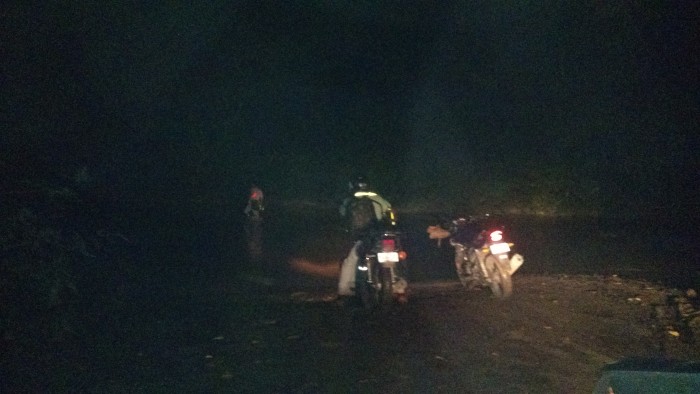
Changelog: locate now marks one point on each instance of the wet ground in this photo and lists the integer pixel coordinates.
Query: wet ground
(200, 315)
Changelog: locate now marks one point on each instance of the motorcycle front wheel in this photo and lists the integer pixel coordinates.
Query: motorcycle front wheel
(467, 263)
(499, 275)
(461, 264)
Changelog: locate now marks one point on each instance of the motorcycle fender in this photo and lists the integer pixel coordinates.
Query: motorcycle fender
(388, 264)
(515, 262)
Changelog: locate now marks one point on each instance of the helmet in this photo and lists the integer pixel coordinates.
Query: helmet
(360, 184)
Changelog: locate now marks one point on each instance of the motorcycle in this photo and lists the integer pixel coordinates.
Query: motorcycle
(483, 256)
(381, 256)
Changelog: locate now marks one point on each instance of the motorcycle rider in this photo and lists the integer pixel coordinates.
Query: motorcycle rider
(364, 209)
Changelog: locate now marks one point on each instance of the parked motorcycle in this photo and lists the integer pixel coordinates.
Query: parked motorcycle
(381, 257)
(483, 256)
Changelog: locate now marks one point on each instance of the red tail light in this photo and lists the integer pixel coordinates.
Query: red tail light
(388, 245)
(496, 236)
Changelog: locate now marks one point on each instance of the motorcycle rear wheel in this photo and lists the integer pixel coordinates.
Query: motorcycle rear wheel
(363, 290)
(499, 275)
(387, 286)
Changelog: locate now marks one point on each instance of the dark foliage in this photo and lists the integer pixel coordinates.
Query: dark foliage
(53, 243)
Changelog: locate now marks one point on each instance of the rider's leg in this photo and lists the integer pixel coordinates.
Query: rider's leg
(346, 280)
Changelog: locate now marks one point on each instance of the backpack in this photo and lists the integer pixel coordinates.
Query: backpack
(361, 214)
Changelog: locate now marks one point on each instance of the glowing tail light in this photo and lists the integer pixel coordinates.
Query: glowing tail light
(496, 236)
(388, 245)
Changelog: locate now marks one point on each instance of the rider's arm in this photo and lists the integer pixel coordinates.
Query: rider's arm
(384, 205)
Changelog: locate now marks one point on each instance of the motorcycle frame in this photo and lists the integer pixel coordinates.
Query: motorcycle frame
(481, 256)
(371, 259)
(370, 264)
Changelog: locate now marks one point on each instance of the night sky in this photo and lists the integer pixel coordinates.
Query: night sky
(522, 102)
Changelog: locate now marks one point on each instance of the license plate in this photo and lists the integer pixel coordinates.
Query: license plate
(388, 257)
(499, 248)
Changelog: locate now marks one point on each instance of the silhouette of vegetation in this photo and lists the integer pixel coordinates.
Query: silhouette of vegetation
(50, 242)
